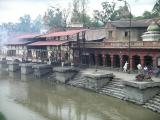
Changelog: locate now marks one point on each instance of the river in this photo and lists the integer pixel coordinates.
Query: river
(28, 98)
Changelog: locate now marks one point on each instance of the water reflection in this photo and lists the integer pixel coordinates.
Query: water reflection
(60, 102)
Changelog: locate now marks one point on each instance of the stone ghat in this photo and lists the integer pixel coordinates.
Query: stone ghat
(27, 68)
(146, 94)
(42, 69)
(64, 74)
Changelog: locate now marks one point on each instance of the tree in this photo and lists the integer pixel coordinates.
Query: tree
(156, 8)
(56, 17)
(37, 24)
(25, 23)
(108, 12)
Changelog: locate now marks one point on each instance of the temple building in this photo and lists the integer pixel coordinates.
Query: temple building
(143, 46)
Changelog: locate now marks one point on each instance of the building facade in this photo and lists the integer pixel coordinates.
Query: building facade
(116, 48)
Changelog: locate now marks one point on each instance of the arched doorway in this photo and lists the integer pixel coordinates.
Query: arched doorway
(92, 59)
(136, 60)
(124, 59)
(100, 60)
(108, 60)
(148, 61)
(116, 60)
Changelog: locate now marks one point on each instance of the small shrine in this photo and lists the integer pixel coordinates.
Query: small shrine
(153, 32)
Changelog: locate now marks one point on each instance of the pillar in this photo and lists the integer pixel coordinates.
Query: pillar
(112, 61)
(142, 60)
(131, 63)
(121, 62)
(154, 61)
(104, 59)
(96, 58)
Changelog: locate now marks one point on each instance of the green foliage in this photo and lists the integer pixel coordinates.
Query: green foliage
(54, 17)
(108, 12)
(25, 23)
(2, 117)
(156, 8)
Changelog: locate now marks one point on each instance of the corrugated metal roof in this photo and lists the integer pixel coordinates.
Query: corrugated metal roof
(18, 42)
(28, 35)
(63, 33)
(48, 43)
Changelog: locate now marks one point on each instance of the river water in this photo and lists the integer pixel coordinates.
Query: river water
(27, 98)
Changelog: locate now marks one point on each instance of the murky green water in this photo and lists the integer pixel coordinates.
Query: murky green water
(27, 98)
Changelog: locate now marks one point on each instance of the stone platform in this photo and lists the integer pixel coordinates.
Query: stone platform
(141, 92)
(3, 65)
(13, 66)
(27, 68)
(64, 74)
(42, 69)
(96, 80)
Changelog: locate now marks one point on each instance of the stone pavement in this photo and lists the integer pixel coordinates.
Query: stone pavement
(118, 74)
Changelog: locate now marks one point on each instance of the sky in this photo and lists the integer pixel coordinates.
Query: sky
(11, 10)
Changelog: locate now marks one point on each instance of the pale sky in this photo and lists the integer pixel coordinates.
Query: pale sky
(11, 10)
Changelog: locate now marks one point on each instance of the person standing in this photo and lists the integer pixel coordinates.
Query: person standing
(139, 66)
(125, 67)
(145, 69)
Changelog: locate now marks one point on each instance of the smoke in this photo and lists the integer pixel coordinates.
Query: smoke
(3, 39)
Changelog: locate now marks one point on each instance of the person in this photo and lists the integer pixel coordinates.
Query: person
(145, 70)
(158, 72)
(139, 66)
(125, 67)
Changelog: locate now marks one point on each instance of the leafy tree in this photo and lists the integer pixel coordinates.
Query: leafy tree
(37, 24)
(156, 8)
(108, 12)
(25, 23)
(56, 17)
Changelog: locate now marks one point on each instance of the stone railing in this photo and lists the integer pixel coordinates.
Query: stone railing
(133, 44)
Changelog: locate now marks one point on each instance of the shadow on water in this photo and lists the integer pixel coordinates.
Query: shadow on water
(62, 102)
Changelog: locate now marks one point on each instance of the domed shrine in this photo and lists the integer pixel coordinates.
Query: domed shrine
(153, 32)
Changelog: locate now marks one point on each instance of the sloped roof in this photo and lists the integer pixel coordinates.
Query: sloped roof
(63, 33)
(48, 43)
(95, 34)
(27, 35)
(134, 23)
(18, 42)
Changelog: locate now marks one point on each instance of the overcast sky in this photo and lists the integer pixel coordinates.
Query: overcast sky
(11, 10)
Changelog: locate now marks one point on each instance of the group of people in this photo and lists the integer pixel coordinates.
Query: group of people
(147, 70)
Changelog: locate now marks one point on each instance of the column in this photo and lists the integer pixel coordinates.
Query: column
(104, 59)
(154, 62)
(142, 60)
(131, 64)
(96, 58)
(121, 62)
(112, 61)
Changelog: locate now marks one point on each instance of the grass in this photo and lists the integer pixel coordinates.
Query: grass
(2, 116)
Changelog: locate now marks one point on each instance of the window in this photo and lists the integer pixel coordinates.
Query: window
(126, 34)
(110, 34)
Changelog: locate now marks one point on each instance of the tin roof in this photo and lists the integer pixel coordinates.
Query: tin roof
(27, 35)
(48, 43)
(63, 33)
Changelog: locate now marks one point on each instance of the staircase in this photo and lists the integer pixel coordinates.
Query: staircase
(153, 104)
(78, 81)
(114, 88)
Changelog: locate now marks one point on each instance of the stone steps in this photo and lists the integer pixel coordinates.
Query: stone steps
(153, 104)
(114, 88)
